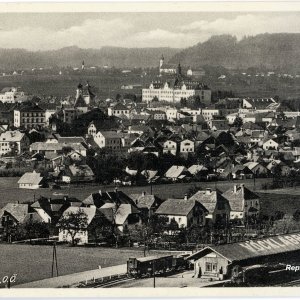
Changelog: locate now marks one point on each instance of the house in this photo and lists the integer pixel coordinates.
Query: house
(198, 170)
(224, 261)
(257, 169)
(52, 150)
(51, 209)
(218, 207)
(270, 145)
(86, 234)
(187, 146)
(13, 214)
(31, 180)
(108, 139)
(118, 207)
(146, 203)
(284, 169)
(77, 173)
(13, 142)
(123, 216)
(176, 173)
(184, 212)
(118, 110)
(170, 146)
(244, 204)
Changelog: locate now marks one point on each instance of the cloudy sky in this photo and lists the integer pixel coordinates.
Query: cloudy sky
(93, 30)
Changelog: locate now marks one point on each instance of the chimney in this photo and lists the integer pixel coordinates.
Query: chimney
(143, 193)
(185, 197)
(208, 191)
(235, 188)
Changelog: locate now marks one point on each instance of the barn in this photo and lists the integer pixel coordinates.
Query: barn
(221, 261)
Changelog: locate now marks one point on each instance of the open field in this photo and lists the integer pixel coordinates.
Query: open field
(11, 193)
(32, 263)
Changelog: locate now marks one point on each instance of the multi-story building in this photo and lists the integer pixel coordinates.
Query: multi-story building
(13, 142)
(108, 139)
(29, 116)
(174, 92)
(118, 110)
(208, 113)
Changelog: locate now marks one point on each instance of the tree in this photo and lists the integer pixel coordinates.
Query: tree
(296, 215)
(238, 122)
(73, 223)
(183, 102)
(35, 229)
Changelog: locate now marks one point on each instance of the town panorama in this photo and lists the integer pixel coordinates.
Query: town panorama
(159, 155)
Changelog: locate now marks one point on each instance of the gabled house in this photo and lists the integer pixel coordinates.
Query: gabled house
(257, 169)
(187, 146)
(88, 233)
(13, 142)
(76, 173)
(270, 145)
(118, 110)
(170, 146)
(184, 212)
(244, 204)
(13, 214)
(176, 173)
(146, 203)
(31, 180)
(218, 207)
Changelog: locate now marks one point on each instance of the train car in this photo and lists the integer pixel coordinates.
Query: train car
(148, 266)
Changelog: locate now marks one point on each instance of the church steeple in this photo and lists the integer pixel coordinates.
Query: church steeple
(178, 69)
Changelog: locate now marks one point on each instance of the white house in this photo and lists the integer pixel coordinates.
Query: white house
(30, 181)
(270, 145)
(187, 146)
(13, 142)
(170, 147)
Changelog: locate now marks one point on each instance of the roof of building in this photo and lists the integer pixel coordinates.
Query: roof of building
(120, 106)
(209, 199)
(177, 207)
(30, 177)
(254, 248)
(145, 200)
(41, 146)
(121, 214)
(175, 171)
(18, 211)
(12, 136)
(194, 169)
(89, 211)
(237, 195)
(110, 134)
(100, 198)
(71, 139)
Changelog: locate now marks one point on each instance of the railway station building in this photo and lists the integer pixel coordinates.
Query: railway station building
(222, 261)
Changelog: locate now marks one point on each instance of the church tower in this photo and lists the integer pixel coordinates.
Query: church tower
(178, 70)
(161, 61)
(82, 65)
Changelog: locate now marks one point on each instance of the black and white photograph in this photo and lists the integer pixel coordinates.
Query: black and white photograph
(149, 148)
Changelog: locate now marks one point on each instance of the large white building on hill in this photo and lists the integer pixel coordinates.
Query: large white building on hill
(174, 92)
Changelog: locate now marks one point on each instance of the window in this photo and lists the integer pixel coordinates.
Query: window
(208, 267)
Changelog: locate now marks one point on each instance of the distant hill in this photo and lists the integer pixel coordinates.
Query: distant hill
(272, 51)
(73, 56)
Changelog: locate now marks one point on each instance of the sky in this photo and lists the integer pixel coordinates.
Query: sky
(48, 31)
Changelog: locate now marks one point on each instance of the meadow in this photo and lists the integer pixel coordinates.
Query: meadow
(34, 262)
(9, 191)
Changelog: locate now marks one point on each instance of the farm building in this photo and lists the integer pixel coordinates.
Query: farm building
(223, 261)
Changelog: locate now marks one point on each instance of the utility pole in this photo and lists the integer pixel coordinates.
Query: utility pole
(153, 271)
(54, 261)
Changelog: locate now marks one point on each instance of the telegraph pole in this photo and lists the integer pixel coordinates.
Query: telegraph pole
(153, 270)
(54, 261)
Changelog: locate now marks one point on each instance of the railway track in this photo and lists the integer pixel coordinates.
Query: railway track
(291, 283)
(112, 283)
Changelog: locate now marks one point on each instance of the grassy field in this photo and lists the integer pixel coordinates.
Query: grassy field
(11, 193)
(32, 263)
